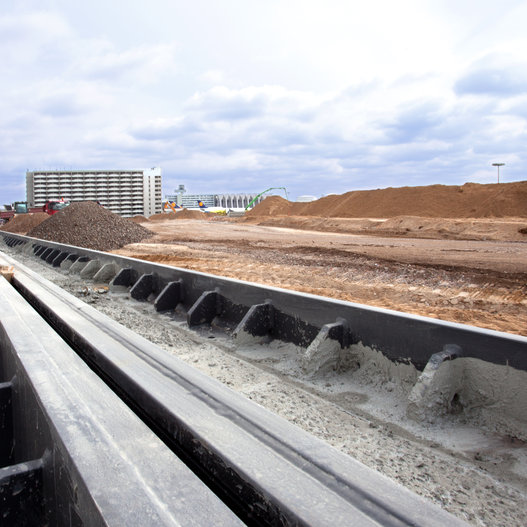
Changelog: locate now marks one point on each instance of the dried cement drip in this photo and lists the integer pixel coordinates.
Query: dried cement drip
(495, 395)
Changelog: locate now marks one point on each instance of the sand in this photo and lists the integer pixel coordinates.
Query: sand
(471, 200)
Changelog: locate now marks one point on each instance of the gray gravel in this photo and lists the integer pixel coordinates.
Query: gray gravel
(86, 224)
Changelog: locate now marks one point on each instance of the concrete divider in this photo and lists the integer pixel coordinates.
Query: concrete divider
(298, 317)
(71, 452)
(268, 470)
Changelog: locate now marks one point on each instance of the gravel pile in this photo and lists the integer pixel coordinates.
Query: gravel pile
(23, 223)
(86, 224)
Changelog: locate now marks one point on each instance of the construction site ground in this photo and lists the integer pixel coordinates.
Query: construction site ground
(444, 269)
(475, 281)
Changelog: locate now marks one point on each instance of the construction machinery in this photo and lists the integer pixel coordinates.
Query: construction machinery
(22, 207)
(264, 192)
(171, 205)
(52, 206)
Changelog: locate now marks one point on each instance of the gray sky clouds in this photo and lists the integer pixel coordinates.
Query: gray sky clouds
(242, 95)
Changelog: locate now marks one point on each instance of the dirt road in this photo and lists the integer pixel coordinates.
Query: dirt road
(476, 282)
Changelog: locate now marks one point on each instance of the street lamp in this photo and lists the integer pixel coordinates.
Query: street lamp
(498, 165)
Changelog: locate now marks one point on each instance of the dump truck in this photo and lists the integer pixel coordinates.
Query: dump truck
(52, 206)
(22, 207)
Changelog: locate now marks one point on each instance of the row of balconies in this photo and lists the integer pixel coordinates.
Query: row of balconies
(91, 180)
(102, 199)
(110, 203)
(79, 193)
(99, 184)
(87, 176)
(122, 210)
(89, 185)
(54, 177)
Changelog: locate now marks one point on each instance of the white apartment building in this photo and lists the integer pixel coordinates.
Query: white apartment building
(124, 192)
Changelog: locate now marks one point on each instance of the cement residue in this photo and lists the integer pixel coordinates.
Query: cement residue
(479, 476)
(372, 367)
(495, 396)
(492, 395)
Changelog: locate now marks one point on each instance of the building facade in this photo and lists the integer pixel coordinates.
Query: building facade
(124, 192)
(226, 201)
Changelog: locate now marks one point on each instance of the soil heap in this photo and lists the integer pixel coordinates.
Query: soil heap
(86, 224)
(471, 200)
(139, 219)
(22, 223)
(185, 214)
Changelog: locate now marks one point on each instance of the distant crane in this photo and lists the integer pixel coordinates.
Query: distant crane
(261, 193)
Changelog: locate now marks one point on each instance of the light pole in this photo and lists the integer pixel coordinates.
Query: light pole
(498, 165)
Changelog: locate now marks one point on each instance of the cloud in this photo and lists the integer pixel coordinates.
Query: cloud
(61, 105)
(244, 104)
(143, 64)
(493, 81)
(495, 75)
(262, 133)
(415, 123)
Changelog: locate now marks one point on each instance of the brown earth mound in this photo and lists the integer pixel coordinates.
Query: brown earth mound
(471, 200)
(23, 223)
(185, 214)
(86, 224)
(139, 219)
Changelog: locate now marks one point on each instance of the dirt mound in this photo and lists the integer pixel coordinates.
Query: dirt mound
(185, 214)
(23, 223)
(272, 206)
(471, 200)
(139, 219)
(86, 224)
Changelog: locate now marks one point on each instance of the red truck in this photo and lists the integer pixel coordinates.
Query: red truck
(54, 205)
(21, 207)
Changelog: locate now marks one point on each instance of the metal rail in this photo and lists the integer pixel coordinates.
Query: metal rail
(246, 310)
(263, 468)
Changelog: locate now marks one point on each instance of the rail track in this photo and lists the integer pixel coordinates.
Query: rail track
(103, 428)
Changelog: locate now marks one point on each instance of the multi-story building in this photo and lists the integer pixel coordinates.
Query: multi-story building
(227, 201)
(124, 192)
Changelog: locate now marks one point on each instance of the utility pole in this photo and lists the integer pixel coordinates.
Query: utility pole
(498, 165)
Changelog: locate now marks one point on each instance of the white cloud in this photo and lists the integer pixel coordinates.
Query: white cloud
(300, 93)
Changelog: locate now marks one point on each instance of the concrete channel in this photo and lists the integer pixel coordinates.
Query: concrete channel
(257, 468)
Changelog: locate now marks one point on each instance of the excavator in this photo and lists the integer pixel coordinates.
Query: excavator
(264, 192)
(171, 205)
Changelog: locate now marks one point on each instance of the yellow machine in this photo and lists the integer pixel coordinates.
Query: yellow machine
(171, 205)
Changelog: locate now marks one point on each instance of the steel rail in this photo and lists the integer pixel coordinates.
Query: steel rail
(266, 469)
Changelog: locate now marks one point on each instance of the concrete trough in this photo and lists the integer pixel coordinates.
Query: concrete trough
(291, 316)
(71, 452)
(266, 469)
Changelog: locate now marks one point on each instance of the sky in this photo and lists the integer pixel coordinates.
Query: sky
(315, 96)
